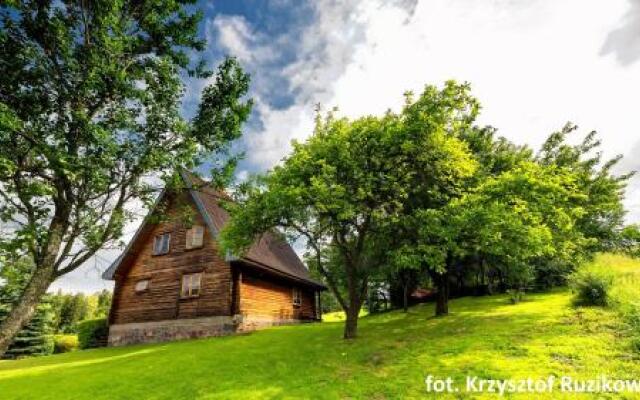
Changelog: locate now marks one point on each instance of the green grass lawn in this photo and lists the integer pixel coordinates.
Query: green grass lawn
(485, 337)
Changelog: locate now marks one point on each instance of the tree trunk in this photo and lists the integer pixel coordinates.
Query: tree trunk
(351, 324)
(23, 311)
(442, 295)
(405, 296)
(43, 275)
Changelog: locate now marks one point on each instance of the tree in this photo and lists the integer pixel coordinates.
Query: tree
(349, 183)
(34, 339)
(335, 191)
(629, 240)
(103, 306)
(603, 205)
(74, 308)
(402, 281)
(508, 220)
(440, 168)
(89, 108)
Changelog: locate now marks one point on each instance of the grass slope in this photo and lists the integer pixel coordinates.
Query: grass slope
(485, 337)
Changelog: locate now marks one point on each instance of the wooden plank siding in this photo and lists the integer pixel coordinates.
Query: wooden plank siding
(162, 299)
(264, 296)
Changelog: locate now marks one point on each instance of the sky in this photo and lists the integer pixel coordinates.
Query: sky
(533, 64)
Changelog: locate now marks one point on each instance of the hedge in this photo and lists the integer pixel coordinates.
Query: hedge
(93, 333)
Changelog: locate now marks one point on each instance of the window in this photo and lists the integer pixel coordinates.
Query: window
(297, 298)
(142, 285)
(195, 237)
(161, 244)
(191, 285)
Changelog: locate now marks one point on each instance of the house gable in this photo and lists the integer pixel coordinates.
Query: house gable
(268, 252)
(162, 299)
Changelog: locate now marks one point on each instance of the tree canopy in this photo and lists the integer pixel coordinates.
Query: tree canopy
(90, 107)
(343, 189)
(427, 191)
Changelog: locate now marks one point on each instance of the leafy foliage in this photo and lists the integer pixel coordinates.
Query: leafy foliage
(629, 240)
(592, 287)
(34, 338)
(93, 333)
(343, 189)
(90, 109)
(65, 343)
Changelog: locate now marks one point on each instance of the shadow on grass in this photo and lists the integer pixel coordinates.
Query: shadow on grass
(99, 357)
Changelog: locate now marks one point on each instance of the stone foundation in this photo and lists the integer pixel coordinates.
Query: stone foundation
(179, 329)
(175, 329)
(251, 323)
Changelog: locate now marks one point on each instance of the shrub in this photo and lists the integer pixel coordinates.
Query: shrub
(592, 287)
(635, 344)
(65, 343)
(34, 339)
(515, 295)
(93, 333)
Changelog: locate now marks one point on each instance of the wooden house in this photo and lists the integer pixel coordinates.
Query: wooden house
(172, 282)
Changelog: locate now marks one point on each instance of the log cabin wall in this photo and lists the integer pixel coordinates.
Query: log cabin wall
(161, 301)
(266, 298)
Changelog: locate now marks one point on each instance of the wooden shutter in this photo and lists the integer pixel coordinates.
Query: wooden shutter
(165, 243)
(156, 245)
(189, 244)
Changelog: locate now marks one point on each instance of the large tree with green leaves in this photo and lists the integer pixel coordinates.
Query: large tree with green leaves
(344, 189)
(602, 204)
(90, 96)
(334, 191)
(440, 168)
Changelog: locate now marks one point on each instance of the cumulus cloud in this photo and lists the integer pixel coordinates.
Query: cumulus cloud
(242, 41)
(533, 64)
(323, 51)
(624, 40)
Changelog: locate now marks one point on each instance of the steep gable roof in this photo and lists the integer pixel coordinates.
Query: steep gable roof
(269, 252)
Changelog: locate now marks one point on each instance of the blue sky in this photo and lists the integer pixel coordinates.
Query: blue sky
(533, 64)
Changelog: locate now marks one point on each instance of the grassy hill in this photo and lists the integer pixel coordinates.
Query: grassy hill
(485, 337)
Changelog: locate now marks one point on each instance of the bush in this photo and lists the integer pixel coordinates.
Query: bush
(515, 295)
(635, 344)
(35, 338)
(592, 287)
(93, 333)
(65, 343)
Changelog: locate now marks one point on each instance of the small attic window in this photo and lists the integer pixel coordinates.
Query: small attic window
(142, 285)
(195, 237)
(161, 244)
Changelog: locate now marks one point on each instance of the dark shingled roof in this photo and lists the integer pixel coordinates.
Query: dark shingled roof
(269, 253)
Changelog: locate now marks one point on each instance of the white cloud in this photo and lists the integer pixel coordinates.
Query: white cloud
(533, 65)
(237, 36)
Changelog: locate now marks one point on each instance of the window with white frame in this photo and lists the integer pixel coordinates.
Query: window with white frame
(195, 237)
(142, 285)
(191, 285)
(297, 297)
(161, 244)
